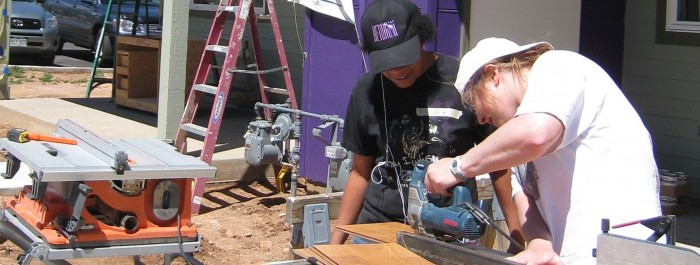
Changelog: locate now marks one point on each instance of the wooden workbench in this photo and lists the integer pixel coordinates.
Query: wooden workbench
(380, 253)
(137, 70)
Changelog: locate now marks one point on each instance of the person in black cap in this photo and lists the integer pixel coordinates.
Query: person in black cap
(405, 110)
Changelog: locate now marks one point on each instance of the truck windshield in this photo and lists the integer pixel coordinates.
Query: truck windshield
(132, 2)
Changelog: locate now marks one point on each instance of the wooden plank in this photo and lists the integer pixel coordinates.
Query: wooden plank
(145, 104)
(380, 232)
(151, 42)
(312, 256)
(295, 206)
(383, 253)
(143, 74)
(123, 70)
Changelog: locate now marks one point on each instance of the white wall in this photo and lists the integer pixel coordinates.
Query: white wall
(527, 21)
(662, 82)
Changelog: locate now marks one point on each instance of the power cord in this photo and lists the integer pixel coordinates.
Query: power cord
(389, 153)
(304, 55)
(188, 258)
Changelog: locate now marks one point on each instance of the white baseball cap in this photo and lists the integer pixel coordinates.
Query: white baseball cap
(485, 51)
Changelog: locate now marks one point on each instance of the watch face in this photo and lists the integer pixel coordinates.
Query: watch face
(454, 163)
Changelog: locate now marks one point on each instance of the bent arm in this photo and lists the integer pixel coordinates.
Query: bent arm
(353, 195)
(503, 190)
(520, 140)
(539, 248)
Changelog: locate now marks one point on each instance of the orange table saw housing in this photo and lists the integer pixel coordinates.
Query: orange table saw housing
(101, 197)
(109, 217)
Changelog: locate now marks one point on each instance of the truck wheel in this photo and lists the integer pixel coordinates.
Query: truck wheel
(45, 60)
(59, 49)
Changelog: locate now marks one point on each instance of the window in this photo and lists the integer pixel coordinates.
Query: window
(678, 22)
(682, 16)
(211, 5)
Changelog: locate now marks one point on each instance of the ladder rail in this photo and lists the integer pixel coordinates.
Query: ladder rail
(282, 54)
(234, 46)
(259, 64)
(202, 74)
(98, 52)
(225, 79)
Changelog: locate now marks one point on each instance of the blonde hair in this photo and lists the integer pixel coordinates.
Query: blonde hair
(515, 63)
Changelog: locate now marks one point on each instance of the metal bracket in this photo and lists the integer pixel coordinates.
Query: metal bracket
(39, 250)
(662, 225)
(316, 226)
(38, 187)
(11, 167)
(71, 225)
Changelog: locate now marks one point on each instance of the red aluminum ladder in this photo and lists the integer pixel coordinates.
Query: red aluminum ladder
(244, 14)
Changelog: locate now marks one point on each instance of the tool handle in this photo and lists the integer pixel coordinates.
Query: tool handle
(46, 138)
(17, 135)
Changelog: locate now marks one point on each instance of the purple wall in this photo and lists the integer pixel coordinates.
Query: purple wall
(335, 62)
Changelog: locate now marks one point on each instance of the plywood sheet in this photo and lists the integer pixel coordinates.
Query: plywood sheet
(380, 232)
(312, 256)
(382, 253)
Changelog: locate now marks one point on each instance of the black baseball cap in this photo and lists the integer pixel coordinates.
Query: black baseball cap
(390, 33)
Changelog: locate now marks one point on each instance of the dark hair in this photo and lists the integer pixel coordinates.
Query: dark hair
(425, 28)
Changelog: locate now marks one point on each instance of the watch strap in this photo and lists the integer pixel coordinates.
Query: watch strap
(456, 168)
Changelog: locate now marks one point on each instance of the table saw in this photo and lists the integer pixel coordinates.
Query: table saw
(101, 197)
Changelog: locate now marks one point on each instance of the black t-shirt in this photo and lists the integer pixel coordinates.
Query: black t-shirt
(424, 121)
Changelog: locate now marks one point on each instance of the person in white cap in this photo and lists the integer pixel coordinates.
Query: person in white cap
(588, 154)
(405, 110)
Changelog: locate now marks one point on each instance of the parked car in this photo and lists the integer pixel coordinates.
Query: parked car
(80, 21)
(33, 32)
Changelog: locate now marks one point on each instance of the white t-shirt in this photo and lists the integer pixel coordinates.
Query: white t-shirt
(604, 167)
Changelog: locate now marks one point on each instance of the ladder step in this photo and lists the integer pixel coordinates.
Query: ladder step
(193, 128)
(206, 88)
(257, 72)
(101, 80)
(230, 9)
(275, 90)
(217, 48)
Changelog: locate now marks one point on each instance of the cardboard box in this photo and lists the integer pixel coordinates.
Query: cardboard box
(674, 189)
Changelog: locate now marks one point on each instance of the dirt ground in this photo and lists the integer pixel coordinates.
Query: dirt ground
(240, 223)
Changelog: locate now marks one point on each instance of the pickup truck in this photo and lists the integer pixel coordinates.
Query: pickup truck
(80, 21)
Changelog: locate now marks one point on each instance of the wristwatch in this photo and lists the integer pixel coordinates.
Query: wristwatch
(456, 168)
